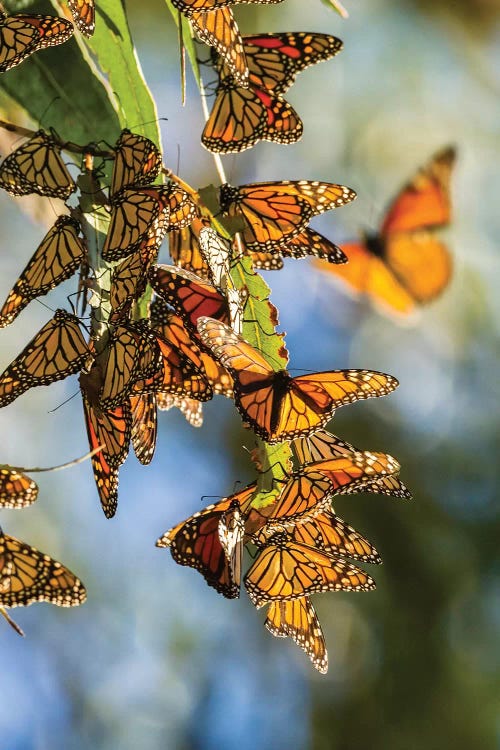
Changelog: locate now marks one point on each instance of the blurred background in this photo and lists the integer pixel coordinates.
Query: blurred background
(155, 659)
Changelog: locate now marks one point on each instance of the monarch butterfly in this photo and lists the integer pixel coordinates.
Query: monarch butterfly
(190, 296)
(144, 426)
(37, 167)
(241, 117)
(329, 533)
(285, 569)
(322, 445)
(297, 619)
(219, 30)
(178, 375)
(56, 259)
(83, 12)
(275, 212)
(141, 212)
(277, 406)
(188, 7)
(21, 35)
(303, 245)
(189, 407)
(137, 162)
(57, 351)
(309, 490)
(196, 542)
(184, 248)
(172, 329)
(404, 265)
(27, 576)
(131, 353)
(110, 428)
(16, 489)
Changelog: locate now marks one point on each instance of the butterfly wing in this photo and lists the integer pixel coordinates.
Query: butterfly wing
(139, 215)
(241, 117)
(57, 351)
(188, 7)
(16, 489)
(37, 167)
(144, 426)
(275, 212)
(27, 576)
(329, 533)
(21, 35)
(83, 12)
(185, 250)
(219, 30)
(137, 162)
(297, 619)
(189, 407)
(424, 201)
(56, 259)
(111, 429)
(420, 263)
(274, 60)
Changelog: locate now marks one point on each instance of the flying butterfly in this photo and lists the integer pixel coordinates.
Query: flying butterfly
(27, 576)
(297, 619)
(57, 351)
(137, 163)
(111, 429)
(83, 12)
(22, 35)
(37, 167)
(219, 30)
(144, 426)
(196, 542)
(404, 265)
(57, 257)
(276, 212)
(322, 445)
(285, 569)
(16, 489)
(277, 406)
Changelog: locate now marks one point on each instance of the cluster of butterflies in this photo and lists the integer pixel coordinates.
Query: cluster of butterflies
(23, 34)
(303, 547)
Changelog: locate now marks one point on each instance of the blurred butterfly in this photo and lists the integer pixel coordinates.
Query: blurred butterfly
(322, 445)
(188, 7)
(243, 116)
(137, 163)
(144, 426)
(83, 12)
(21, 35)
(285, 569)
(37, 167)
(57, 257)
(110, 428)
(277, 406)
(276, 212)
(196, 542)
(219, 30)
(309, 490)
(27, 576)
(404, 265)
(142, 212)
(57, 351)
(297, 619)
(16, 489)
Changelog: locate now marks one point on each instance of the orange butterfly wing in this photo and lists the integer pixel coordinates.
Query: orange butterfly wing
(297, 619)
(329, 533)
(16, 489)
(219, 30)
(37, 167)
(21, 35)
(84, 15)
(144, 426)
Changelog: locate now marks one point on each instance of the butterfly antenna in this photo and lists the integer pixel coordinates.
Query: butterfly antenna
(42, 116)
(9, 619)
(63, 403)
